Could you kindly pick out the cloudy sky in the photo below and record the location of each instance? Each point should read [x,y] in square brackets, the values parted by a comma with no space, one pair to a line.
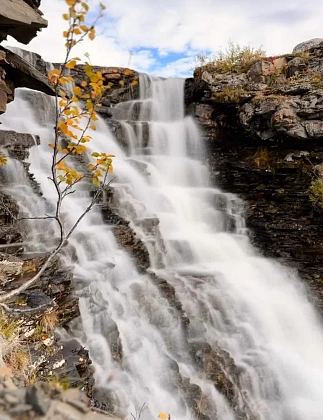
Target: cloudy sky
[163,37]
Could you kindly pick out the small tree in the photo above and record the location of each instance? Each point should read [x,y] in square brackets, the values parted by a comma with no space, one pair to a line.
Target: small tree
[72,123]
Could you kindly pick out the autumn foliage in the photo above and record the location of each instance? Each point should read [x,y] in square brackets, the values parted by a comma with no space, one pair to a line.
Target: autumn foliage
[75,116]
[76,109]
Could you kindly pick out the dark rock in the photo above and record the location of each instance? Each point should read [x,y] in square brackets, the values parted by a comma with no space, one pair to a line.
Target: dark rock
[195,91]
[18,144]
[295,66]
[9,234]
[37,298]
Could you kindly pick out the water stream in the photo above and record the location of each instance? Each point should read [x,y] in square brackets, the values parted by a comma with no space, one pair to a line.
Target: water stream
[251,307]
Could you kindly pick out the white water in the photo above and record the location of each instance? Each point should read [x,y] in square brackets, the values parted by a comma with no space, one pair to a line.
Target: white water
[250,306]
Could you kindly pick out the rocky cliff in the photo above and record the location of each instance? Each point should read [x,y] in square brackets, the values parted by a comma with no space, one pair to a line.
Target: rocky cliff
[264,132]
[22,20]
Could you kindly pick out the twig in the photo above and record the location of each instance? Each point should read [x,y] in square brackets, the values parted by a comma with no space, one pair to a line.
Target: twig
[28,311]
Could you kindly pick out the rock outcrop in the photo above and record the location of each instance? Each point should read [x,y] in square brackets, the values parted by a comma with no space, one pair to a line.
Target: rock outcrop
[122,85]
[17,72]
[20,19]
[264,132]
[277,98]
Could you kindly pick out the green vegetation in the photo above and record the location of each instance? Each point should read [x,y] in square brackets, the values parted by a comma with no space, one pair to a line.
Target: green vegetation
[316,192]
[9,327]
[230,94]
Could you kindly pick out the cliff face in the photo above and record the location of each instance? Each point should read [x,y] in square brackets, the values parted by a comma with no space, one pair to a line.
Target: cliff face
[263,129]
[21,20]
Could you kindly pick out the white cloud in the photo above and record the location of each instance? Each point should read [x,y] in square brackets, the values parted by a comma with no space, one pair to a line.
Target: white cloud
[183,27]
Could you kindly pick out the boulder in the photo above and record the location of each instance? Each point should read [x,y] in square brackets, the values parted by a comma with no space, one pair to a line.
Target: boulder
[307,45]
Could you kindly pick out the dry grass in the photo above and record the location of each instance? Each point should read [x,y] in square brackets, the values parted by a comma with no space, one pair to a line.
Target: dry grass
[17,359]
[9,327]
[233,59]
[230,95]
[49,321]
[29,266]
[262,158]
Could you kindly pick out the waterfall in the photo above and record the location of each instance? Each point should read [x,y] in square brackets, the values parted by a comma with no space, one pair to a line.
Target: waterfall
[252,309]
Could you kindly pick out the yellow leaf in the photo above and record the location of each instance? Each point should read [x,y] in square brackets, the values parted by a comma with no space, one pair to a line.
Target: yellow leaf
[134,82]
[110,168]
[65,16]
[84,28]
[84,83]
[85,6]
[52,145]
[54,72]
[93,127]
[121,82]
[71,64]
[62,93]
[92,34]
[77,91]
[61,165]
[128,72]
[65,34]
[163,415]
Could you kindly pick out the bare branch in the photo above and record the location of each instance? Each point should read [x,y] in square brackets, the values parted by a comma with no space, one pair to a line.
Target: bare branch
[28,311]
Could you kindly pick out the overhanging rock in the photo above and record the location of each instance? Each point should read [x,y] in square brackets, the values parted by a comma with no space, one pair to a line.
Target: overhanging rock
[20,20]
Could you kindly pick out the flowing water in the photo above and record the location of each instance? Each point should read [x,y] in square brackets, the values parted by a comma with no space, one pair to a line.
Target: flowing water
[251,307]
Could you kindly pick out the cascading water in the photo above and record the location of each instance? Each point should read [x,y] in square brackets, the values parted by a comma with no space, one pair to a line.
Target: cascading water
[253,308]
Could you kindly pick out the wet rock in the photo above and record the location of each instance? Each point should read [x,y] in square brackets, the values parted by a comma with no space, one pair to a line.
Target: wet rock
[18,144]
[195,91]
[9,234]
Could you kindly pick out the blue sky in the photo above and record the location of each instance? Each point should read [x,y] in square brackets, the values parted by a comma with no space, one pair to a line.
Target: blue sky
[165,36]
